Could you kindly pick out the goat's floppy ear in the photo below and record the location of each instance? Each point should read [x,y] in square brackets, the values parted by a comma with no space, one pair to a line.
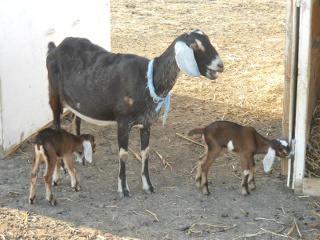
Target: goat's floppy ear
[87,151]
[269,159]
[185,59]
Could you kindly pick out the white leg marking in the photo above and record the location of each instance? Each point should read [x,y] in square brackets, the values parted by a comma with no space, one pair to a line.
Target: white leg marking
[246,172]
[230,146]
[144,155]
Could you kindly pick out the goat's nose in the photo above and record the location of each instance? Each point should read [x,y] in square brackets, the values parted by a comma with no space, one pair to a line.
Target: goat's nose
[220,65]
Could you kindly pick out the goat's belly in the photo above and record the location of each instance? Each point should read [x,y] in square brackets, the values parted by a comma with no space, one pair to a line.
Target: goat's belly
[91,120]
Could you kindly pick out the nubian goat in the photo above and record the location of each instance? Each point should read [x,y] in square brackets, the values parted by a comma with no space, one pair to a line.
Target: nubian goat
[245,142]
[51,146]
[102,87]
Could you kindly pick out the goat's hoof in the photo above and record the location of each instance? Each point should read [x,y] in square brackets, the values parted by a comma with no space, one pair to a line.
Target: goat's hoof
[76,188]
[252,187]
[149,190]
[56,183]
[52,202]
[32,200]
[244,192]
[125,193]
[205,191]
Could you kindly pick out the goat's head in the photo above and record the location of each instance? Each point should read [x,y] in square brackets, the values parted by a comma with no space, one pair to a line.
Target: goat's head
[88,146]
[196,56]
[281,147]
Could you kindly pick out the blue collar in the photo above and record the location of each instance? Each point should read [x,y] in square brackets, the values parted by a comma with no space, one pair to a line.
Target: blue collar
[156,98]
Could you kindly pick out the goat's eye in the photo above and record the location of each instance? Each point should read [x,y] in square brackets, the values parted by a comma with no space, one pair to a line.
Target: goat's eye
[194,46]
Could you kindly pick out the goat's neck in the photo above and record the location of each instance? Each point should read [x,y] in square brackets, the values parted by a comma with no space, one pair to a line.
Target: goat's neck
[263,144]
[78,144]
[165,72]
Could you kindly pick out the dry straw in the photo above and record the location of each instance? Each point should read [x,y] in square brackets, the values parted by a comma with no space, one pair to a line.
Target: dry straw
[313,147]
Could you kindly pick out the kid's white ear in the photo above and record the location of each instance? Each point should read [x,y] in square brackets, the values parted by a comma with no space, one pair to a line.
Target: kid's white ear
[185,59]
[87,151]
[269,159]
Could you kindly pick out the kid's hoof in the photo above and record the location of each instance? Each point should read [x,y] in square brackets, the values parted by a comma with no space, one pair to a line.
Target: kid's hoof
[52,202]
[32,200]
[56,183]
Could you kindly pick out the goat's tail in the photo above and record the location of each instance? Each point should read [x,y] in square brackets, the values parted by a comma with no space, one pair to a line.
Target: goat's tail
[196,131]
[51,47]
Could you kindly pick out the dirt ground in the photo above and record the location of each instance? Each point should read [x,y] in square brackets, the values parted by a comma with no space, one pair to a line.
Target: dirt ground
[250,38]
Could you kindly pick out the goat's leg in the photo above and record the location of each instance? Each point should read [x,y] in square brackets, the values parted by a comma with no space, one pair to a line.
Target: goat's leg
[146,183]
[55,104]
[50,166]
[123,139]
[34,176]
[56,179]
[251,183]
[76,124]
[72,171]
[202,159]
[244,175]
[205,165]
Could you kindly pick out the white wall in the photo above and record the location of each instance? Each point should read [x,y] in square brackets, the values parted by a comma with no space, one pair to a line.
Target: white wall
[26,27]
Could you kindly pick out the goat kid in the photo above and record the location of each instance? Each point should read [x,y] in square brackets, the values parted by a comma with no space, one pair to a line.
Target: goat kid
[245,142]
[51,146]
[102,87]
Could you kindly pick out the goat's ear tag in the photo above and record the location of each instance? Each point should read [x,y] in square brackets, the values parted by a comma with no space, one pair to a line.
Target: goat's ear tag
[87,151]
[185,59]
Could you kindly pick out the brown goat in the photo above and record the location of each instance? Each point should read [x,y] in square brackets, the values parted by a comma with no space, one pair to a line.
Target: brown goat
[51,146]
[245,142]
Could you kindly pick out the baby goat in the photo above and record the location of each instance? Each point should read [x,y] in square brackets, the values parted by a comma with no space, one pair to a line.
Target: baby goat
[245,142]
[52,145]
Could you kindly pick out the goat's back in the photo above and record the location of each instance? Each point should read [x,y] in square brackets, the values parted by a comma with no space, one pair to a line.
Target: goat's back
[222,132]
[97,83]
[57,139]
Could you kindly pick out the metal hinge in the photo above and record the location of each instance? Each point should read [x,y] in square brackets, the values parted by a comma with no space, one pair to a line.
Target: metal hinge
[293,146]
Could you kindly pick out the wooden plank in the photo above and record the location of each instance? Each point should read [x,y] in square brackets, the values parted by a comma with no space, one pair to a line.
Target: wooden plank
[290,81]
[303,86]
[311,186]
[287,82]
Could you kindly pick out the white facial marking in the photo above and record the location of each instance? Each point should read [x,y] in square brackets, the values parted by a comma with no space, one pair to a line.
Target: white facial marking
[246,172]
[230,146]
[200,45]
[269,159]
[283,142]
[199,32]
[215,64]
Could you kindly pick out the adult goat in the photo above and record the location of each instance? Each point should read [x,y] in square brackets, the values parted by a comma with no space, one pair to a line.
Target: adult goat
[99,86]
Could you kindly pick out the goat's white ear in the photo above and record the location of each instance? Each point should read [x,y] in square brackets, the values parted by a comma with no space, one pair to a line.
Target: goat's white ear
[269,159]
[87,151]
[185,59]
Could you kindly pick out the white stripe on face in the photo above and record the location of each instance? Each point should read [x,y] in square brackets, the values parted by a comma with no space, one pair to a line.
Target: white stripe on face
[214,65]
[283,142]
[200,45]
